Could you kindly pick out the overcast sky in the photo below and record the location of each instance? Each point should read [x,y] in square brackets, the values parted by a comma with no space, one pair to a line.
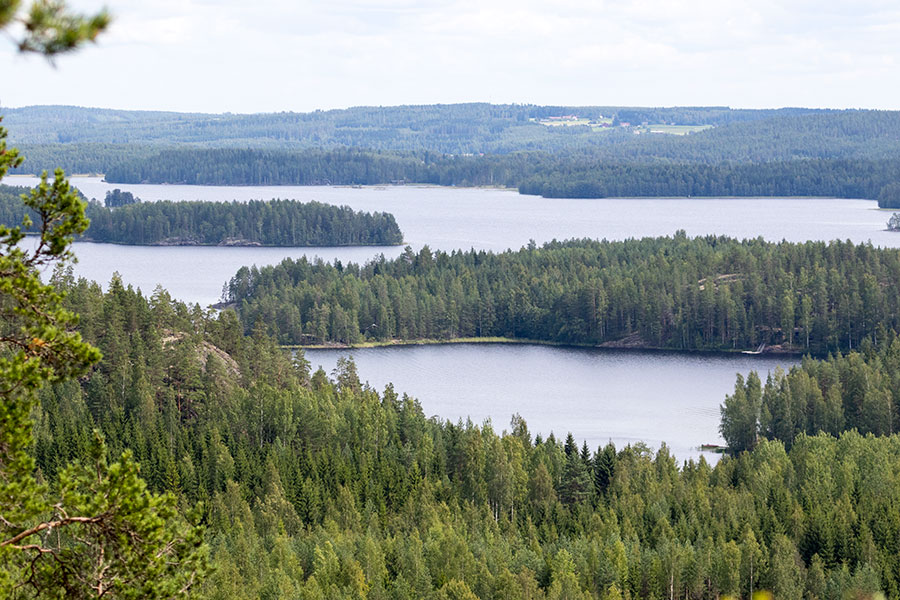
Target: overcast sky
[295,55]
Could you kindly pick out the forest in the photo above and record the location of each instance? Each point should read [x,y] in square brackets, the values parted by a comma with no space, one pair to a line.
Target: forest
[840,178]
[889,197]
[894,222]
[786,152]
[313,486]
[705,293]
[565,176]
[153,449]
[442,128]
[857,391]
[569,176]
[257,223]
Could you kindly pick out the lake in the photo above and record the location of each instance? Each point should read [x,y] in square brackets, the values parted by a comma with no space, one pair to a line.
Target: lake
[599,395]
[464,218]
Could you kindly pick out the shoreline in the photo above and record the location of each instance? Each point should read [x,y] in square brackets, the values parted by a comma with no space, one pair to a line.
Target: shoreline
[375,186]
[612,346]
[86,240]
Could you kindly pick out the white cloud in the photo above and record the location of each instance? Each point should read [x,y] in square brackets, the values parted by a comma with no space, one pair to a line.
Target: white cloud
[225,55]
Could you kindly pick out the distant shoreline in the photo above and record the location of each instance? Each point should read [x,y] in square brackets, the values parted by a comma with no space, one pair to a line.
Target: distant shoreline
[375,186]
[529,342]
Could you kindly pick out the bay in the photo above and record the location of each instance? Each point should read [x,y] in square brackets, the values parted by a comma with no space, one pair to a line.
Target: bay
[463,218]
[598,395]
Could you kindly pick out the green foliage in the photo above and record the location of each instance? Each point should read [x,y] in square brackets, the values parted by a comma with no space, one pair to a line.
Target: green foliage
[319,488]
[675,292]
[789,152]
[117,198]
[448,129]
[894,222]
[889,196]
[94,531]
[740,414]
[471,129]
[107,536]
[858,391]
[816,177]
[50,28]
[273,223]
[554,176]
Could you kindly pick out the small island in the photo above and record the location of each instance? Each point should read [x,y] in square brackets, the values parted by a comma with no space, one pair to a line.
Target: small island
[894,222]
[706,294]
[123,219]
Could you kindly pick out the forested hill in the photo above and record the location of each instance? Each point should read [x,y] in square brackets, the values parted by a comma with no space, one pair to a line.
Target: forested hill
[584,152]
[706,135]
[859,391]
[256,223]
[445,128]
[552,151]
[708,293]
[531,173]
[318,487]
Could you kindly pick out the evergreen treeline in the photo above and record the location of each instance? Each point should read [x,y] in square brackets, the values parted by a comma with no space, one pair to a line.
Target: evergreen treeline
[860,390]
[791,152]
[841,178]
[117,198]
[889,197]
[264,223]
[566,176]
[82,158]
[711,293]
[738,135]
[229,166]
[322,488]
[261,223]
[894,222]
[443,128]
[11,207]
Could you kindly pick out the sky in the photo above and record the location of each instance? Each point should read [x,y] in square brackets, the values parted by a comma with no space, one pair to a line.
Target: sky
[298,55]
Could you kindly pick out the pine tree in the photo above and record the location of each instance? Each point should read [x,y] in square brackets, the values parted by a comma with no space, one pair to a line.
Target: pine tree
[111,538]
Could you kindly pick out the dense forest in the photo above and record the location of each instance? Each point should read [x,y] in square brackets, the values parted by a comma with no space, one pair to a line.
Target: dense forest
[859,391]
[610,151]
[262,223]
[567,176]
[318,487]
[532,173]
[258,223]
[894,222]
[707,293]
[889,197]
[152,449]
[839,178]
[442,128]
[271,167]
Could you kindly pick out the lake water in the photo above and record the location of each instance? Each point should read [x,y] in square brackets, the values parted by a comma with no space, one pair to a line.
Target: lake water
[463,218]
[598,395]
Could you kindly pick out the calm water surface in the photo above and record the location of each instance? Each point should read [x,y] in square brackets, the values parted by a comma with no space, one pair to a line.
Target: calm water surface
[598,395]
[463,218]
